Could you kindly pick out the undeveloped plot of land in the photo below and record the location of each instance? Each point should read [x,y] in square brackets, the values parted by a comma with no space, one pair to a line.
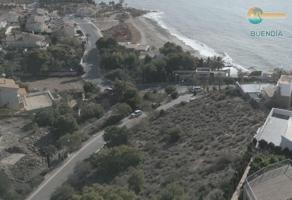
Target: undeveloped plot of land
[214,133]
[19,155]
[57,84]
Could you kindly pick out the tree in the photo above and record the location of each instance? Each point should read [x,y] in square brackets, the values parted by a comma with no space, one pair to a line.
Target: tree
[105,43]
[91,110]
[89,87]
[170,48]
[174,134]
[122,109]
[115,136]
[45,117]
[117,74]
[66,124]
[136,181]
[71,141]
[126,92]
[173,191]
[36,62]
[112,161]
[63,193]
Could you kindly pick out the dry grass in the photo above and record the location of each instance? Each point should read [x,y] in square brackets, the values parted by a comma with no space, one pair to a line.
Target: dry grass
[215,132]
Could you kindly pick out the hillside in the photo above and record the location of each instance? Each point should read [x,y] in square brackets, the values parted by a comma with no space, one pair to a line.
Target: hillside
[214,133]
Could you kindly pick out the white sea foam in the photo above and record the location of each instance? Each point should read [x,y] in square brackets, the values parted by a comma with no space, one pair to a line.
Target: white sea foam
[202,48]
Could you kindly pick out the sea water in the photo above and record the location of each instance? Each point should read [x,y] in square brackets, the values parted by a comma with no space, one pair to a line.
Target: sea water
[222,28]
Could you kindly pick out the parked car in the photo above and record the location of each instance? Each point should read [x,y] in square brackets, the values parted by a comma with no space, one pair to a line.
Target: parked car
[195,90]
[136,113]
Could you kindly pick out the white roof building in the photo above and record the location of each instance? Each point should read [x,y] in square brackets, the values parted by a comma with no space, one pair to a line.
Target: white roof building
[14,97]
[277,129]
[285,85]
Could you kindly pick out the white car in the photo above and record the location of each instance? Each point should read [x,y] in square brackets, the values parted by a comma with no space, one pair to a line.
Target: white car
[136,113]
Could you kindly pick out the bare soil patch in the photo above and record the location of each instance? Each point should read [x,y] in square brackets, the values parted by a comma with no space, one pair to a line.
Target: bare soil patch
[57,84]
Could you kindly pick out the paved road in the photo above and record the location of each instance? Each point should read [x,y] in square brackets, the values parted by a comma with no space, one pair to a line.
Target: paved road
[61,174]
[90,60]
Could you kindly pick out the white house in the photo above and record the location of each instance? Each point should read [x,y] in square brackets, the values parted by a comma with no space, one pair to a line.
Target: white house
[11,95]
[283,92]
[277,129]
[14,97]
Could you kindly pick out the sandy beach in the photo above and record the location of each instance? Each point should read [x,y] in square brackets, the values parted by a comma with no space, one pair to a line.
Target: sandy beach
[154,35]
[147,32]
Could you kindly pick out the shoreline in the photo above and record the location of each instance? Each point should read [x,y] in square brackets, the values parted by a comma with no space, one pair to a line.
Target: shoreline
[153,34]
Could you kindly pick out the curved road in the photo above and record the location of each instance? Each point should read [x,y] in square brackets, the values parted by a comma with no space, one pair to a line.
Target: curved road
[56,178]
[90,60]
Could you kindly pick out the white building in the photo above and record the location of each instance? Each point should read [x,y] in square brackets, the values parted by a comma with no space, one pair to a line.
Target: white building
[277,129]
[283,92]
[11,95]
[14,97]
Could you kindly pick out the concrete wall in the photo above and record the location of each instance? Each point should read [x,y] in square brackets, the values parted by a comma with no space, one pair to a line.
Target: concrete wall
[282,101]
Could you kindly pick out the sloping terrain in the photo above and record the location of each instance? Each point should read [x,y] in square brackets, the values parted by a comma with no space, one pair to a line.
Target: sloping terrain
[212,135]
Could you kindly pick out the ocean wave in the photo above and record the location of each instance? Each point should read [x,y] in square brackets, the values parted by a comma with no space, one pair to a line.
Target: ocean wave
[203,49]
[228,61]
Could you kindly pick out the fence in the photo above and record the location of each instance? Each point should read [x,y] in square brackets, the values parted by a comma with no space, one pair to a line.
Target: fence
[265,174]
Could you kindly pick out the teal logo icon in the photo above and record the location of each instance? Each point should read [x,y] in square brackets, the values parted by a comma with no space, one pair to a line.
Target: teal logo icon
[255,15]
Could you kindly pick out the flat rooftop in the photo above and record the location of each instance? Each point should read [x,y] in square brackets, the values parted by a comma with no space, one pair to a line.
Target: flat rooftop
[285,79]
[277,128]
[273,185]
[254,87]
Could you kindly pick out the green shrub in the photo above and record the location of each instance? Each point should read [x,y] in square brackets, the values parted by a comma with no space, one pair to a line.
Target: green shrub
[115,136]
[89,87]
[66,124]
[63,193]
[174,134]
[170,90]
[98,192]
[173,191]
[136,181]
[122,109]
[45,117]
[91,110]
[71,141]
[174,95]
[110,162]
